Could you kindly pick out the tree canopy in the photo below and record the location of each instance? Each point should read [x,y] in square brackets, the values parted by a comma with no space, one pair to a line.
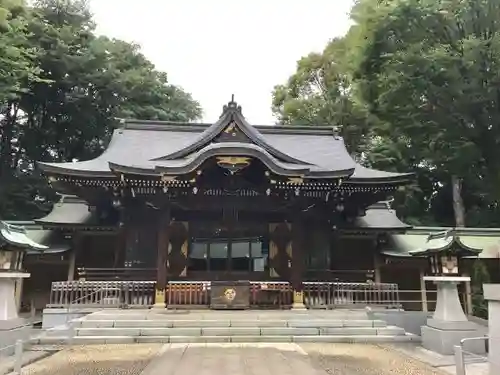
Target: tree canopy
[62,87]
[426,76]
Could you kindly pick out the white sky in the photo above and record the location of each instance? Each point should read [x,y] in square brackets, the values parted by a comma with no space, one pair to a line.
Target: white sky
[215,48]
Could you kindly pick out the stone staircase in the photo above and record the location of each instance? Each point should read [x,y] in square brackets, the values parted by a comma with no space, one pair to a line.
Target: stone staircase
[129,326]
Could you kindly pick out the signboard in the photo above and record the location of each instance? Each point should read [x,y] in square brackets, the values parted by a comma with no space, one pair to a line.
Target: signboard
[230,295]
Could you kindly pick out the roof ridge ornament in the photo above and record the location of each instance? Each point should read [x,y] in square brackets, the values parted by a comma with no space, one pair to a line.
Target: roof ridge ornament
[232,106]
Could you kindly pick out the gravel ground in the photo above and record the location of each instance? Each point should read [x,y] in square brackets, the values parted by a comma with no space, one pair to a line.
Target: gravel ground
[230,359]
[359,359]
[96,360]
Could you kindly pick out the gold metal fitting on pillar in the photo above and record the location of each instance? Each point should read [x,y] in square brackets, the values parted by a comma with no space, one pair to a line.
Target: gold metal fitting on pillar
[160,297]
[298,297]
[298,301]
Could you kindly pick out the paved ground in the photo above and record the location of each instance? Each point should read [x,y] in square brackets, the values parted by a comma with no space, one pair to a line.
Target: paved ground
[230,359]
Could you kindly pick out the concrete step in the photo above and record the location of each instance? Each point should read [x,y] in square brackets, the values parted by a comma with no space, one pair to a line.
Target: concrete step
[110,314]
[81,340]
[190,323]
[241,331]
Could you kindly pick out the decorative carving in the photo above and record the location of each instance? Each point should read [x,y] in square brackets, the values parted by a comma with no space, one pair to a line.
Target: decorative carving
[280,249]
[233,163]
[231,129]
[295,180]
[230,294]
[166,178]
[177,255]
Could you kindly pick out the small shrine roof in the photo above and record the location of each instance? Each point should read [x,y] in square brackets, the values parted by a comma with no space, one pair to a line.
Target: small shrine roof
[32,238]
[484,242]
[446,241]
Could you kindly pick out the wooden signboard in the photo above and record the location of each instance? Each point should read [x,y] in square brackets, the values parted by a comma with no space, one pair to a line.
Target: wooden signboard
[230,295]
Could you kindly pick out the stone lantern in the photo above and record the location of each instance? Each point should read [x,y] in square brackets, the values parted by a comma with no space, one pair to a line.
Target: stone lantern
[449,324]
[444,252]
[13,244]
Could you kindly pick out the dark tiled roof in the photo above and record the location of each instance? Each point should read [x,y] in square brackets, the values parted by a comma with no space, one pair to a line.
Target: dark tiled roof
[69,210]
[147,146]
[380,216]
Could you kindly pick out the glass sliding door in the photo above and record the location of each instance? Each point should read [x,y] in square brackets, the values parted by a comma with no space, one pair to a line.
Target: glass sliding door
[240,255]
[218,255]
[217,251]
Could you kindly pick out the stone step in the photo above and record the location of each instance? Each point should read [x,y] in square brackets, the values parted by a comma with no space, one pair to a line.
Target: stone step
[227,315]
[241,331]
[190,323]
[81,340]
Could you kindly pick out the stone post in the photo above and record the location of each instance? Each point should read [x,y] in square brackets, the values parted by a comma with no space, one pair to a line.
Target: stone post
[449,323]
[492,294]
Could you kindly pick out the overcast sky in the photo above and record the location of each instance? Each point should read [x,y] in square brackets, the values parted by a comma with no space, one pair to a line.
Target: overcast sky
[215,48]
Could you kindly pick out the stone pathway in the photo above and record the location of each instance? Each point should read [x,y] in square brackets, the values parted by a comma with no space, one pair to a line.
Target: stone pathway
[230,359]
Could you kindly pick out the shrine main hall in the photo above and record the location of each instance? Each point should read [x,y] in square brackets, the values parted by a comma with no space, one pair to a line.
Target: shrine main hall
[185,208]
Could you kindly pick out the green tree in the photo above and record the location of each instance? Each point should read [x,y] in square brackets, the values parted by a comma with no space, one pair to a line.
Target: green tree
[429,71]
[480,276]
[319,94]
[83,83]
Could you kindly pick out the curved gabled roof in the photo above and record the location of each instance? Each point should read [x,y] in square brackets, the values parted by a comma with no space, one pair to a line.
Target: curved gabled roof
[193,161]
[148,147]
[445,241]
[231,114]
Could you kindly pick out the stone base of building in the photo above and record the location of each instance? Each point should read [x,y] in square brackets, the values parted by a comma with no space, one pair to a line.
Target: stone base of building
[299,306]
[159,307]
[441,337]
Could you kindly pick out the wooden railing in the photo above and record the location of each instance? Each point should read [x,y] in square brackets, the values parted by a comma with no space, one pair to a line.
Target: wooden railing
[117,274]
[196,294]
[121,294]
[339,294]
[263,294]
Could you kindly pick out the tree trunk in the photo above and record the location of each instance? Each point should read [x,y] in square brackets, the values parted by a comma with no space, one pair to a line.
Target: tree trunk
[458,203]
[6,135]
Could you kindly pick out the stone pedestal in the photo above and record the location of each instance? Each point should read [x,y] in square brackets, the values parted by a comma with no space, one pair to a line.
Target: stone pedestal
[449,324]
[492,294]
[8,308]
[12,327]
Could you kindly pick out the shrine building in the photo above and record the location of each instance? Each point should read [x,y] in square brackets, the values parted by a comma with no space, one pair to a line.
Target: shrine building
[182,207]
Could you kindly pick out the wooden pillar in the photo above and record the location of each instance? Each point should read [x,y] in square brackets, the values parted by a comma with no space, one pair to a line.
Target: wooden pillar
[377,266]
[423,292]
[18,286]
[297,271]
[77,241]
[162,254]
[121,238]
